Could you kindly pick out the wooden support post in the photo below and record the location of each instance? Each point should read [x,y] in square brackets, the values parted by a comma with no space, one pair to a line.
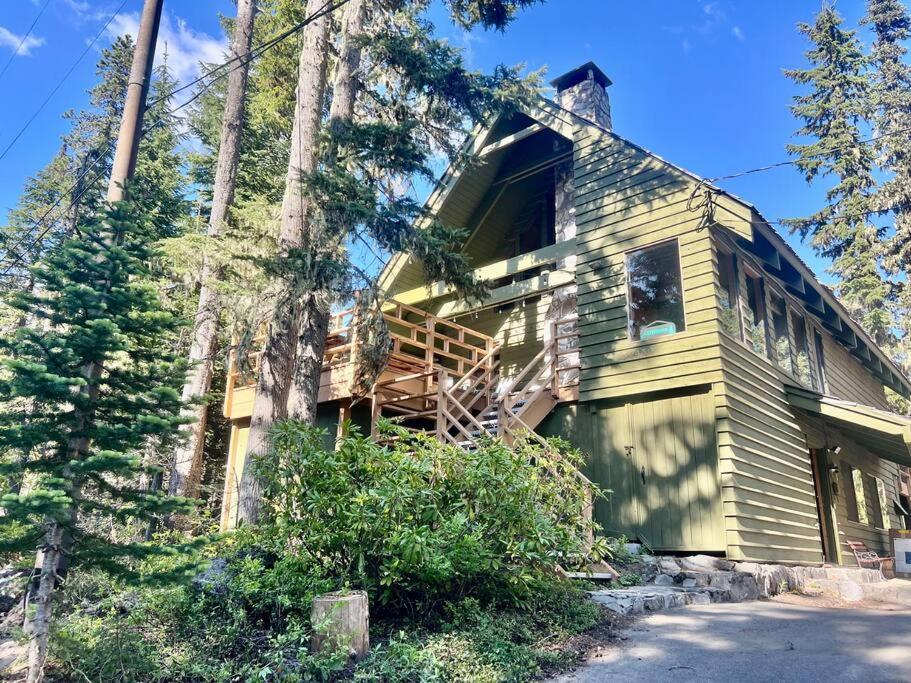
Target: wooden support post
[441,405]
[341,621]
[344,414]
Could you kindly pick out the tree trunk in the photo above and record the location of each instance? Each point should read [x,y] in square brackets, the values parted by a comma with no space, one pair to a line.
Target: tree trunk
[277,360]
[186,467]
[314,325]
[39,625]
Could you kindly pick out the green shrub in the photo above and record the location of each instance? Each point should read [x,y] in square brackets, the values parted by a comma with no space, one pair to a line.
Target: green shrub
[421,519]
[457,550]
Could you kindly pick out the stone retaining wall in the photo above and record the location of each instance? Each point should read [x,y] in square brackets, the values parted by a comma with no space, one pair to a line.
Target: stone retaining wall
[701,579]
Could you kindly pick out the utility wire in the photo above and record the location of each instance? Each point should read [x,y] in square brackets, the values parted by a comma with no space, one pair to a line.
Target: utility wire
[60,83]
[243,60]
[791,162]
[24,38]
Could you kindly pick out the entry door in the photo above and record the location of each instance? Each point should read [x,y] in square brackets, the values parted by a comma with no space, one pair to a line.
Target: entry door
[658,455]
[825,505]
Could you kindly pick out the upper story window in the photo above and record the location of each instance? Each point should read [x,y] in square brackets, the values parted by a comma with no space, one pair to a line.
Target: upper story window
[801,355]
[755,331]
[780,347]
[820,361]
[727,279]
[655,291]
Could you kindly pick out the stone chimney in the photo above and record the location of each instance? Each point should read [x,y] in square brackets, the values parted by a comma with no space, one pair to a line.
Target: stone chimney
[583,91]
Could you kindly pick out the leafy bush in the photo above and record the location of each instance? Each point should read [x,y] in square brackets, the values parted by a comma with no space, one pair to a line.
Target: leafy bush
[457,550]
[422,519]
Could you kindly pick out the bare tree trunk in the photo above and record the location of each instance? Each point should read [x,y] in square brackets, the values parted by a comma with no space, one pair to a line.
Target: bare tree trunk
[186,468]
[39,625]
[314,326]
[277,360]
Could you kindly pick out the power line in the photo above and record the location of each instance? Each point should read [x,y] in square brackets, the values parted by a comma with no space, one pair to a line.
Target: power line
[758,169]
[327,8]
[60,82]
[791,162]
[24,38]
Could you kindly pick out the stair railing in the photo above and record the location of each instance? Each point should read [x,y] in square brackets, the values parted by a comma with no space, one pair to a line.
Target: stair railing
[540,375]
[458,401]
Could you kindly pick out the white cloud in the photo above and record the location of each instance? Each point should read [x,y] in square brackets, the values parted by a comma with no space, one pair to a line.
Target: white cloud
[185,48]
[737,32]
[23,48]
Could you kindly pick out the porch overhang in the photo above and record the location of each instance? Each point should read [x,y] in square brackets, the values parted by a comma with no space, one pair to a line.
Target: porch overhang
[886,434]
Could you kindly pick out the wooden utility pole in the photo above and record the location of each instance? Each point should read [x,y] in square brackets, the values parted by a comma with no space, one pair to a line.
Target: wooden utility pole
[135,103]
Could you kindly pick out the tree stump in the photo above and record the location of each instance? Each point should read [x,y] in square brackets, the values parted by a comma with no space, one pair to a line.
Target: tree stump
[341,622]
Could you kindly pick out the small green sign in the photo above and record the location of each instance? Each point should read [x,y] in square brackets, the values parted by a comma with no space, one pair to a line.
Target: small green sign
[659,328]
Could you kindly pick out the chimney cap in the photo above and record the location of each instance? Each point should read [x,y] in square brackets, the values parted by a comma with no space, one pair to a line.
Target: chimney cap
[579,74]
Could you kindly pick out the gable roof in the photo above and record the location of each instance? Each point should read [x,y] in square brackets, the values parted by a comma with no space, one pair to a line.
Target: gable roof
[753,230]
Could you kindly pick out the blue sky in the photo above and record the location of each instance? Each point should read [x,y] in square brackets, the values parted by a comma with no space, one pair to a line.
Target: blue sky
[699,82]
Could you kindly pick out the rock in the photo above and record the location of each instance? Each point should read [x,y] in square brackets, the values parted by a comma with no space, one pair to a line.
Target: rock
[633,548]
[664,580]
[648,572]
[698,578]
[689,583]
[667,565]
[704,563]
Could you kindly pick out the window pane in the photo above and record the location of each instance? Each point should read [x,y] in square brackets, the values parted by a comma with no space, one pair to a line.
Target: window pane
[820,361]
[847,484]
[655,291]
[727,278]
[860,498]
[801,351]
[885,522]
[756,301]
[781,341]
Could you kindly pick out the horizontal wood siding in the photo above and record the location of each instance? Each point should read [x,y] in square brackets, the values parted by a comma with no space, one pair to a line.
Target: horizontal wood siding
[859,457]
[518,327]
[767,484]
[624,200]
[848,378]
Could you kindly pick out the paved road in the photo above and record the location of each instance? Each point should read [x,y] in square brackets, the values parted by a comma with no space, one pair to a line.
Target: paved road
[758,641]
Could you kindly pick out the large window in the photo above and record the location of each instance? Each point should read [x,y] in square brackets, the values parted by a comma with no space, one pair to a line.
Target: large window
[727,279]
[858,512]
[780,350]
[801,350]
[655,291]
[820,361]
[755,331]
[881,506]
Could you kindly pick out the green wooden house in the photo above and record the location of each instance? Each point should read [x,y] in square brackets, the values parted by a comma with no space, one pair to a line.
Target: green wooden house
[720,391]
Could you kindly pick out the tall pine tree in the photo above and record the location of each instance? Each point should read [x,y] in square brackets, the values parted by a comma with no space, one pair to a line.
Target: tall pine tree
[415,96]
[890,111]
[832,112]
[74,437]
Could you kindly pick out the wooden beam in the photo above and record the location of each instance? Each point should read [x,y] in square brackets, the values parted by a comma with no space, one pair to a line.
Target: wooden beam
[494,271]
[519,290]
[511,139]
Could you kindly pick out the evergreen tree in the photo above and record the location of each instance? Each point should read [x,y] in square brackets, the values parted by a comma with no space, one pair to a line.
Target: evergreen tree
[72,435]
[832,113]
[188,457]
[416,95]
[890,106]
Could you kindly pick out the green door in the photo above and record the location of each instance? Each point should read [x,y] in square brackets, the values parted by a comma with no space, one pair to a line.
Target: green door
[658,456]
[613,467]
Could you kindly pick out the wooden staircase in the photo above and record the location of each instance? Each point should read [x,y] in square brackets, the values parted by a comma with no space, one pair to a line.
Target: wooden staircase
[464,408]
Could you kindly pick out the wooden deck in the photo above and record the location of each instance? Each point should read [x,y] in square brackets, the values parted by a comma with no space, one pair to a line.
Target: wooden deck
[420,342]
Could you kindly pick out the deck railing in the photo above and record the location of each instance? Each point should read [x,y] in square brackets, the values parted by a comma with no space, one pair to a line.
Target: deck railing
[419,341]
